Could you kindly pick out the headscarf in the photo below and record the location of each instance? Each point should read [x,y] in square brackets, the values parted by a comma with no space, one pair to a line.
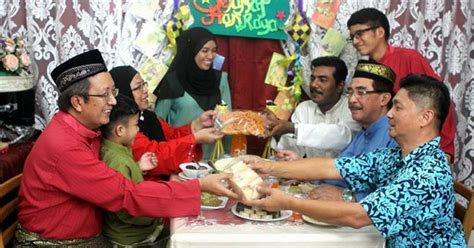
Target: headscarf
[203,86]
[149,124]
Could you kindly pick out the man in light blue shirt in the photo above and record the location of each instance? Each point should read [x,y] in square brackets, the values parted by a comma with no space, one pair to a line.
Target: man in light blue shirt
[370,95]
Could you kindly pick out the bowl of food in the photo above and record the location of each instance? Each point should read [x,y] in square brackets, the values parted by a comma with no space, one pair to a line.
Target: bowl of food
[195,170]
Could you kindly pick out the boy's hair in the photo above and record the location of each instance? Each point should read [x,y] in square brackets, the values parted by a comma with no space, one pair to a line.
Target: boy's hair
[372,17]
[340,72]
[428,92]
[122,111]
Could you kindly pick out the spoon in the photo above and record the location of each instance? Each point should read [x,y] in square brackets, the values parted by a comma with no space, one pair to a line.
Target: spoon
[210,163]
[200,167]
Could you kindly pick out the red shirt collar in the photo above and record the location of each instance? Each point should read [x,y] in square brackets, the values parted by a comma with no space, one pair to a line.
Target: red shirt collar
[77,126]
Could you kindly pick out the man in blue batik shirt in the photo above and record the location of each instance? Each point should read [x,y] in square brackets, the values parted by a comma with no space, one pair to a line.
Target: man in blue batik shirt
[412,203]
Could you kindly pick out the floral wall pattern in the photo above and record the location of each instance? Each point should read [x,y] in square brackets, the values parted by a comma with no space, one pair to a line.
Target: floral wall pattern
[58,29]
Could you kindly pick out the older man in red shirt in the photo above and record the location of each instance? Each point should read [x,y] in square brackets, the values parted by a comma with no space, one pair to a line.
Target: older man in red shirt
[369,32]
[66,187]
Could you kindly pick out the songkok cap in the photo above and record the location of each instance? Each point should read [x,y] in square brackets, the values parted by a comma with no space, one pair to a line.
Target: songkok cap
[375,71]
[77,68]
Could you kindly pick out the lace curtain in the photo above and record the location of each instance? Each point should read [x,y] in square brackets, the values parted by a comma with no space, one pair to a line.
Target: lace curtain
[58,29]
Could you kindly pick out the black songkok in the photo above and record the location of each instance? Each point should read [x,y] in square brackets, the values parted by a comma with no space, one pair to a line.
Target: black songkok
[77,68]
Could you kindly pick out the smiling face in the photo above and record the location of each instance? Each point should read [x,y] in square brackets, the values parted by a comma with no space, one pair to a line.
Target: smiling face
[140,92]
[323,87]
[96,112]
[130,130]
[206,55]
[365,40]
[366,109]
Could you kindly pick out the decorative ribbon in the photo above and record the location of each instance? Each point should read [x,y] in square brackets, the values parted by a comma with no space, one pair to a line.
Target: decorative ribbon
[176,25]
[300,6]
[175,6]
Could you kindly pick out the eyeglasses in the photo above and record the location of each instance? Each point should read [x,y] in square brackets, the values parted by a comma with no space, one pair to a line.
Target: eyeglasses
[107,95]
[360,92]
[141,86]
[357,34]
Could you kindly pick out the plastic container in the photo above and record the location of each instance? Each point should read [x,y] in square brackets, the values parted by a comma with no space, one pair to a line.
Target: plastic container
[239,145]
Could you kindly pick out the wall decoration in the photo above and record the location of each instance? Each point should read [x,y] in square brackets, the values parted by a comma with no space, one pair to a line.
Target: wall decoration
[250,18]
[149,38]
[176,25]
[326,12]
[332,43]
[300,31]
[144,8]
[152,71]
[277,72]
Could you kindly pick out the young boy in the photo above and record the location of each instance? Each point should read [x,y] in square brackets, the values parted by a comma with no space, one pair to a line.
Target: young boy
[121,228]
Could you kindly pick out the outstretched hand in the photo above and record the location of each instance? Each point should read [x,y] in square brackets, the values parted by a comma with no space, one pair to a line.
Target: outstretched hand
[213,184]
[275,126]
[287,155]
[207,135]
[261,167]
[273,200]
[205,120]
[148,161]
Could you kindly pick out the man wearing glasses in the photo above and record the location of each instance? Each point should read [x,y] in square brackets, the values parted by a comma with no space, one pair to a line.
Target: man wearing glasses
[412,203]
[65,187]
[369,33]
[369,95]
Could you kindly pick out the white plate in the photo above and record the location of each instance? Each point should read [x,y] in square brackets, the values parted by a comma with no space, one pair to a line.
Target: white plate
[222,205]
[285,214]
[319,223]
[184,177]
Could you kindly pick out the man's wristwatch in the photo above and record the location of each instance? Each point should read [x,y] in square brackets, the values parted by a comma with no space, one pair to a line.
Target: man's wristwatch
[347,195]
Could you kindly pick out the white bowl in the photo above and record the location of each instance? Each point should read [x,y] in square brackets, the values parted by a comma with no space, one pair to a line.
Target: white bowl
[191,169]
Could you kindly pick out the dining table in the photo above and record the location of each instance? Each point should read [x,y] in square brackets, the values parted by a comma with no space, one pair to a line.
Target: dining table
[222,228]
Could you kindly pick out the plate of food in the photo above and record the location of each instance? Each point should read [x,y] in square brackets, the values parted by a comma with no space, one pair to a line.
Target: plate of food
[258,214]
[316,222]
[211,201]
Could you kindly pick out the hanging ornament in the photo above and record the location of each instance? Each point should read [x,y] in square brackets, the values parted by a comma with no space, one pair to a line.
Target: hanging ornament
[300,30]
[176,25]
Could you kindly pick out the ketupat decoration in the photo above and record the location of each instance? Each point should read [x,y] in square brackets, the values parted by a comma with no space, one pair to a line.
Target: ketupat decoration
[176,25]
[300,30]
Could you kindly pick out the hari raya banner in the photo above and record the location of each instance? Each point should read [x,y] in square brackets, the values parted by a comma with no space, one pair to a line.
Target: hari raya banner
[247,18]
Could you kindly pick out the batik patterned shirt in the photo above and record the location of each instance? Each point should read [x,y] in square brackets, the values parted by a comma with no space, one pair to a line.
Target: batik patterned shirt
[413,200]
